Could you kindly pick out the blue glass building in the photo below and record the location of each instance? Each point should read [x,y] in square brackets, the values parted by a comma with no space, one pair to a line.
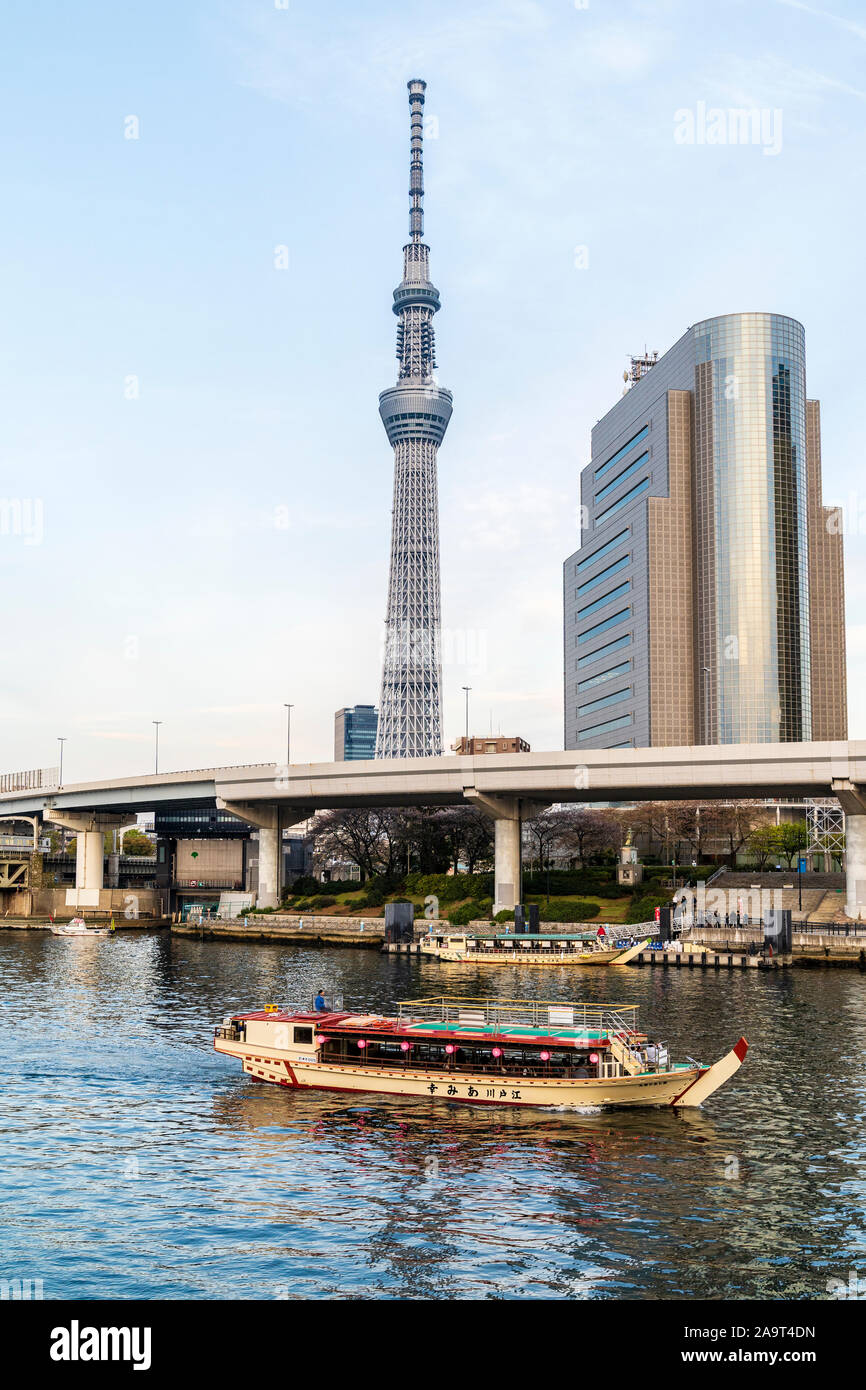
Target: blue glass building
[355,733]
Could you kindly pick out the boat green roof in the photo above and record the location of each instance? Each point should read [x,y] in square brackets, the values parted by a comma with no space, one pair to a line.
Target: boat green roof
[523,937]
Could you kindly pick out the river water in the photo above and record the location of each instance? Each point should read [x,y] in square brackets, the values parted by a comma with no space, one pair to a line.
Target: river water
[137,1163]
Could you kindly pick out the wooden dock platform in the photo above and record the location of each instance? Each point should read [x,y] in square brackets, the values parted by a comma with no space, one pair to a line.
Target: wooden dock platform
[711,960]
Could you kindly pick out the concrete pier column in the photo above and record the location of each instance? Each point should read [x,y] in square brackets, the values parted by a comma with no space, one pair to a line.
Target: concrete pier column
[852,799]
[855,866]
[509,813]
[270,821]
[90,828]
[269,867]
[506,876]
[89,854]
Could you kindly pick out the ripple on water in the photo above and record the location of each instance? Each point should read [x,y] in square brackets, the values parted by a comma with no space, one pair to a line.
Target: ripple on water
[137,1163]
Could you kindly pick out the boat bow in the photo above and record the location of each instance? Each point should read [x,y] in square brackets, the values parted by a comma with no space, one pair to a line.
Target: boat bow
[713,1077]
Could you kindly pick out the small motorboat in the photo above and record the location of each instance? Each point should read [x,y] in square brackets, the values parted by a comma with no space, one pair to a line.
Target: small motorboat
[77,927]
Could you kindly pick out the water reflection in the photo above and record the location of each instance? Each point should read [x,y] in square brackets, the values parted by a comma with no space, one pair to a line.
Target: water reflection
[137,1163]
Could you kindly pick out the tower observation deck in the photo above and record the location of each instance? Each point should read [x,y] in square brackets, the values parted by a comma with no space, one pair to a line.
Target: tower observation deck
[415,414]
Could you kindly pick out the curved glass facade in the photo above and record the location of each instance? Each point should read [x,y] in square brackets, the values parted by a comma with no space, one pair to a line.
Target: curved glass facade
[751,540]
[704,495]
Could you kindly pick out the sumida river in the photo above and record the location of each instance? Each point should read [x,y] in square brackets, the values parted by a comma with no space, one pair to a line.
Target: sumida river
[137,1163]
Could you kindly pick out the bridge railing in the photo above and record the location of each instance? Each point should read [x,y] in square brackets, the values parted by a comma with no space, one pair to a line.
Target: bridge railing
[35,779]
[520,1013]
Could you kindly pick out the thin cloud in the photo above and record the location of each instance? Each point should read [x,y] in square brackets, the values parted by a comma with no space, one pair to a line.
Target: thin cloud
[849,25]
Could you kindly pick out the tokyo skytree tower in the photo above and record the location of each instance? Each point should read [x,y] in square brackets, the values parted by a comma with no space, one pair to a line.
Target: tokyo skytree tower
[415,414]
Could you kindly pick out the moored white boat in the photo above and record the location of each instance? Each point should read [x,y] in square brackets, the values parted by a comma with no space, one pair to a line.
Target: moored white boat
[478,1051]
[561,948]
[77,927]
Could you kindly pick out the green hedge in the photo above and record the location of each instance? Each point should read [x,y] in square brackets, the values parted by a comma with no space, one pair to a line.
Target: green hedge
[567,910]
[588,881]
[643,906]
[558,910]
[310,887]
[652,873]
[449,888]
[462,916]
[374,896]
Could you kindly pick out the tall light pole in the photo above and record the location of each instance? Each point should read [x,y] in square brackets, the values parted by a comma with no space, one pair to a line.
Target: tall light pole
[156,723]
[288,709]
[61,741]
[466,689]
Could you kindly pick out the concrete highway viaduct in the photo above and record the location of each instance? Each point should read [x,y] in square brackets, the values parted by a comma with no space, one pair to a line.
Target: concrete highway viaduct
[506,786]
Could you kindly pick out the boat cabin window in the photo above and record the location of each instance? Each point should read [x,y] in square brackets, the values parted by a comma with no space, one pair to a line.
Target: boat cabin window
[466,1056]
[303,1035]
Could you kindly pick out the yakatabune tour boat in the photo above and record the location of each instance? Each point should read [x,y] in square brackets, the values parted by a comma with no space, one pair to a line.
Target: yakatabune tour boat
[481,1051]
[527,948]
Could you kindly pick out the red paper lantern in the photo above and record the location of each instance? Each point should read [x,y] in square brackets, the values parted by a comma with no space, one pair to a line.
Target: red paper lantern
[361,1042]
[593,1056]
[318,1040]
[545,1056]
[404,1047]
[497,1052]
[449,1048]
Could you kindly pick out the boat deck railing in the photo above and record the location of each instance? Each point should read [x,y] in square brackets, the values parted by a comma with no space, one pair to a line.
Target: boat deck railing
[525,1013]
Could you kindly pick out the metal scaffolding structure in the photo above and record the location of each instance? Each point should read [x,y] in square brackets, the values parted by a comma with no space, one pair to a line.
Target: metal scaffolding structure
[826,821]
[415,414]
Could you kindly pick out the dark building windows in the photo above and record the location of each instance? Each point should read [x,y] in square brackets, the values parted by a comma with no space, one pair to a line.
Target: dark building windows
[355,733]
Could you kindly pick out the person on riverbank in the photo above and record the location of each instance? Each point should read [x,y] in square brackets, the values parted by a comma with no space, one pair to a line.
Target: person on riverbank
[319,1003]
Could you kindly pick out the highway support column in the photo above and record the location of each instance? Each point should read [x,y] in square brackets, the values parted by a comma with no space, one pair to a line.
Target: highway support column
[853,802]
[270,820]
[90,828]
[509,813]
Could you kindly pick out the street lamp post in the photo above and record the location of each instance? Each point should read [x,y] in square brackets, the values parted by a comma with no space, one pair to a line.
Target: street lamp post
[61,741]
[288,709]
[466,690]
[156,723]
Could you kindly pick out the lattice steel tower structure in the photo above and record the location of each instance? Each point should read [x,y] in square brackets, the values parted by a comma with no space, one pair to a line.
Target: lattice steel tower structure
[415,414]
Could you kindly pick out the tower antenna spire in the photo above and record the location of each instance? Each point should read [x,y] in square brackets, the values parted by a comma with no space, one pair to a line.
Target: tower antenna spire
[417,89]
[415,414]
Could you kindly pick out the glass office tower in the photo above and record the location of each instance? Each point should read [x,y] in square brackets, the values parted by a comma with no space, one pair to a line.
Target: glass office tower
[355,733]
[752,549]
[706,602]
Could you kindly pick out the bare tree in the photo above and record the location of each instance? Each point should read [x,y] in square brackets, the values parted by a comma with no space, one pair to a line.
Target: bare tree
[420,836]
[361,836]
[651,820]
[543,832]
[733,822]
[469,833]
[589,833]
[386,841]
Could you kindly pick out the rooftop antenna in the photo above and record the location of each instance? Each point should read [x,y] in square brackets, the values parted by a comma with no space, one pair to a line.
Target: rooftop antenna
[638,367]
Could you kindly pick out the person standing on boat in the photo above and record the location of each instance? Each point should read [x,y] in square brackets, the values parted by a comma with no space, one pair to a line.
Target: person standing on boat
[319,1003]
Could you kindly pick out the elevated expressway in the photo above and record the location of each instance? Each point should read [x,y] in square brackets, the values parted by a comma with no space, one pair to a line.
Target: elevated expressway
[507,786]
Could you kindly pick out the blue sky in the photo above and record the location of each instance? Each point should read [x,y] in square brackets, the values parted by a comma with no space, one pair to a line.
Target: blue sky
[218,544]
